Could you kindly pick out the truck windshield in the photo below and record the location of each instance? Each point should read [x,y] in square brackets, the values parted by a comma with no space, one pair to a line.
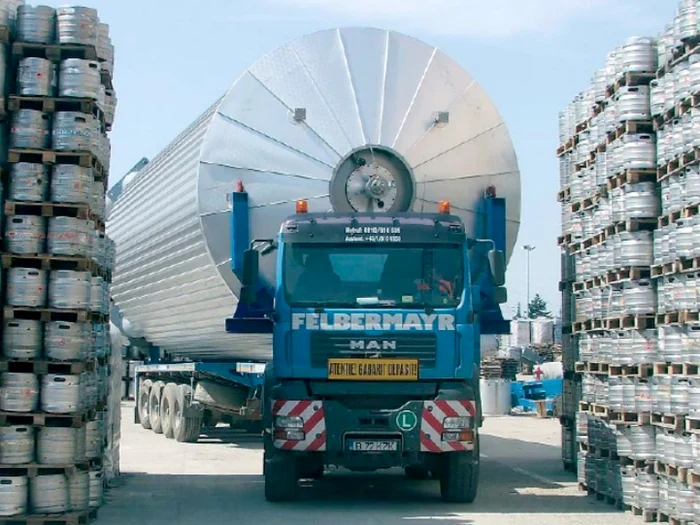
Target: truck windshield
[373,274]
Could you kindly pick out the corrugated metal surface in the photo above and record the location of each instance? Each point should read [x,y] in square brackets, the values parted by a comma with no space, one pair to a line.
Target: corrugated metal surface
[164,281]
[363,89]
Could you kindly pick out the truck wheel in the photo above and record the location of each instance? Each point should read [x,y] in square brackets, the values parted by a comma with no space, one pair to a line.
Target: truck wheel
[417,472]
[154,406]
[460,477]
[167,402]
[144,394]
[281,479]
[185,428]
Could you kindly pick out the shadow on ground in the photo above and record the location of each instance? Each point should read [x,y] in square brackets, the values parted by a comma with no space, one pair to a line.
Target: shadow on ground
[540,486]
[223,435]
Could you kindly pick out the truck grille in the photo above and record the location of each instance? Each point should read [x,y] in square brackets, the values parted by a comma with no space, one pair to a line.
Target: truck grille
[325,345]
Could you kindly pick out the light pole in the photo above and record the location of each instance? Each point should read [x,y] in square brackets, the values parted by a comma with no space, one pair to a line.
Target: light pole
[528,248]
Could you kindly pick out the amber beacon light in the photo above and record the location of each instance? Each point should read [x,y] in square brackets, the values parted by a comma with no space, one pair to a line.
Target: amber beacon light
[302,206]
[444,207]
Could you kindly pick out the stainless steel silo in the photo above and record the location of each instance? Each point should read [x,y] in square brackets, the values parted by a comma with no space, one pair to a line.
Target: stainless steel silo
[290,128]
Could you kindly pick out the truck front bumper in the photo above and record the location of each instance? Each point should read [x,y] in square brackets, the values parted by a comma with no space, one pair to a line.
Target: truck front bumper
[418,428]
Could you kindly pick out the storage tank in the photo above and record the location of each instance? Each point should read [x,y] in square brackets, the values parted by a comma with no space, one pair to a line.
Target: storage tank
[350,119]
[520,332]
[542,331]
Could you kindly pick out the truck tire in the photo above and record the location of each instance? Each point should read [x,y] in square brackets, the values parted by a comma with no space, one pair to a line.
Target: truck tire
[417,472]
[281,478]
[154,406]
[167,402]
[142,403]
[459,479]
[185,428]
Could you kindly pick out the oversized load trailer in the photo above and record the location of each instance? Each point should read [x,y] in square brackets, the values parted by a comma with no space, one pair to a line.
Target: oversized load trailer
[342,147]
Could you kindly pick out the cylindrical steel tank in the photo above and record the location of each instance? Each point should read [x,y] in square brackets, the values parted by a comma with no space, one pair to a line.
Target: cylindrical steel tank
[495,397]
[288,129]
[36,24]
[35,76]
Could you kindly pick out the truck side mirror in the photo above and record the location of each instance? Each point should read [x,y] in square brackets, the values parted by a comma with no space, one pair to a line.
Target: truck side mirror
[497,262]
[249,277]
[500,295]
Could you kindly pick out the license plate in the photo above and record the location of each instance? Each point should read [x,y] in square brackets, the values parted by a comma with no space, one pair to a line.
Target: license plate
[373,369]
[366,445]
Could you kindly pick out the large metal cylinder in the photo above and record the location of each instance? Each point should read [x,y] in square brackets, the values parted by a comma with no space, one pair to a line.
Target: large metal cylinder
[293,127]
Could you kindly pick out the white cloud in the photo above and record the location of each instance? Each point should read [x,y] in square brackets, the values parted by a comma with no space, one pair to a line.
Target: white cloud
[479,18]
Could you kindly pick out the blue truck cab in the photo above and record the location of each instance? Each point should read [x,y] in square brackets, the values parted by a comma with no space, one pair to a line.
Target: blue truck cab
[376,323]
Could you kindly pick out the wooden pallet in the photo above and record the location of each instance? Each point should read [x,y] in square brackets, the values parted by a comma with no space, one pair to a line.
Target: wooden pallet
[54,262]
[663,270]
[600,496]
[685,265]
[85,159]
[564,195]
[53,104]
[33,470]
[53,52]
[588,326]
[629,418]
[689,47]
[647,515]
[691,369]
[692,424]
[564,240]
[43,367]
[43,419]
[630,79]
[639,370]
[677,165]
[671,471]
[48,209]
[669,421]
[631,127]
[47,315]
[632,225]
[602,411]
[666,369]
[680,109]
[629,273]
[568,146]
[636,322]
[641,464]
[694,479]
[668,318]
[668,518]
[631,177]
[71,518]
[678,317]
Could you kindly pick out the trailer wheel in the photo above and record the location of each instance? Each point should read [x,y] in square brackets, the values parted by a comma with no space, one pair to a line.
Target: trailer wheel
[185,428]
[167,402]
[154,399]
[281,478]
[459,479]
[142,403]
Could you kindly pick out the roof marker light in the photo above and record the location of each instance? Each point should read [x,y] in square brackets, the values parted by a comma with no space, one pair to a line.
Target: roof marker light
[302,206]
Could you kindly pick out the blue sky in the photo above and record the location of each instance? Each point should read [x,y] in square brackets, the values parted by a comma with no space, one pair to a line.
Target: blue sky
[174,58]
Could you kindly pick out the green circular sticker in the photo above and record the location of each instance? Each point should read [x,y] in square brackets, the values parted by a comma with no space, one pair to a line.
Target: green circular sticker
[406,420]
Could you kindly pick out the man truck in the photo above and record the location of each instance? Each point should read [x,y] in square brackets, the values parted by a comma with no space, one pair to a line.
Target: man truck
[338,295]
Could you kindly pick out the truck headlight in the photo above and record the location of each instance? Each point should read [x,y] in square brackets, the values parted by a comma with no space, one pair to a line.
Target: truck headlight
[456,423]
[289,422]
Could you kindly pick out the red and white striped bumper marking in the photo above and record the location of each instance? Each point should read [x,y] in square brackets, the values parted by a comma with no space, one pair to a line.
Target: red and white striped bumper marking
[431,425]
[314,429]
